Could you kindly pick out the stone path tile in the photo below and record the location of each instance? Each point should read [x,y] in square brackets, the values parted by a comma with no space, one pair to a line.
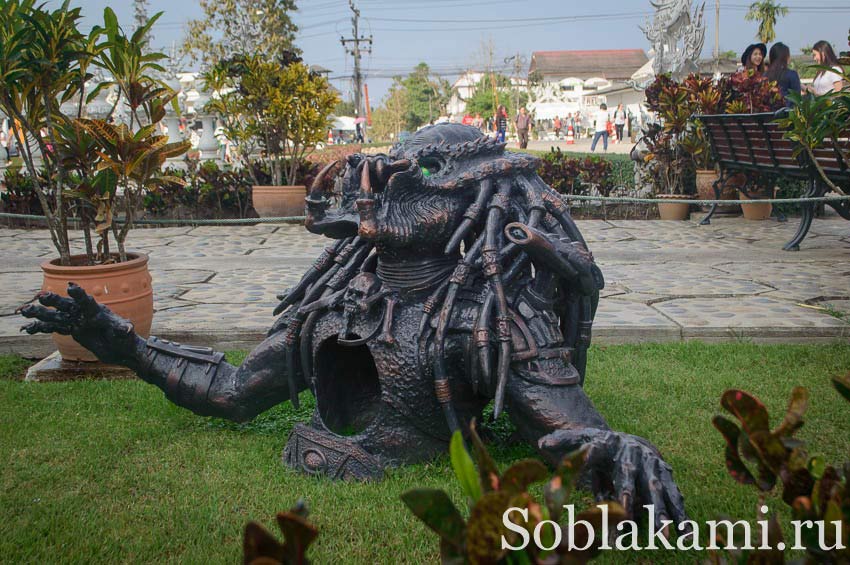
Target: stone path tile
[747,313]
[204,318]
[680,279]
[834,228]
[606,235]
[243,287]
[238,231]
[621,313]
[19,288]
[218,247]
[796,281]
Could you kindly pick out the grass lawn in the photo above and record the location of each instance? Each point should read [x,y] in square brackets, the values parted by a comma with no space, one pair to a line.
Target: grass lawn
[112,472]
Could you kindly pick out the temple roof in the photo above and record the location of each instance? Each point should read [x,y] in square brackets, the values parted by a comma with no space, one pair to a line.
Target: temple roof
[611,64]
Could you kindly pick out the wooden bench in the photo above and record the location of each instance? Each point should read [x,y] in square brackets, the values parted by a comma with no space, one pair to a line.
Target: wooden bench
[755,145]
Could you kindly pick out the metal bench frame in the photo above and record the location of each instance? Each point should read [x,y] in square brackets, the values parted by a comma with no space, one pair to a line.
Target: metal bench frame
[753,144]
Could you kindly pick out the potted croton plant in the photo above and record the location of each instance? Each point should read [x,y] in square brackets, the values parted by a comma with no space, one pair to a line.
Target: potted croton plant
[705,96]
[667,159]
[281,107]
[81,164]
[751,93]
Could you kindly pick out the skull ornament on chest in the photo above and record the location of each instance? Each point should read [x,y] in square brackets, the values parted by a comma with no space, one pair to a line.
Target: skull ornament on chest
[357,299]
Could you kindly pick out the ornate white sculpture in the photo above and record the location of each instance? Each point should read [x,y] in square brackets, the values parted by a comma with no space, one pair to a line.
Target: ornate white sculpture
[676,36]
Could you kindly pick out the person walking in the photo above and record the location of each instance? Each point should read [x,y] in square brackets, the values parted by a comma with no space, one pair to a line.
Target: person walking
[575,121]
[826,81]
[523,125]
[501,123]
[620,122]
[602,119]
[778,71]
[556,124]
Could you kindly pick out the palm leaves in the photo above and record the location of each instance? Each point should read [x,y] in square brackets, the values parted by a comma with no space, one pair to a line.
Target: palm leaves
[766,12]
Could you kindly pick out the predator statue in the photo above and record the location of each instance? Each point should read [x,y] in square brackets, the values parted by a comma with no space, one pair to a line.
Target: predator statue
[456,277]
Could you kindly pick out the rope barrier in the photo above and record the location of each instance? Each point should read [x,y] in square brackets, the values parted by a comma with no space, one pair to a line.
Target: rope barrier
[210,222]
[575,197]
[703,202]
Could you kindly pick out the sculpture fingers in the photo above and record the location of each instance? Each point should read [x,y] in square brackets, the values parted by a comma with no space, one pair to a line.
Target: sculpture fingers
[87,304]
[46,328]
[53,300]
[627,463]
[46,315]
[673,496]
[652,488]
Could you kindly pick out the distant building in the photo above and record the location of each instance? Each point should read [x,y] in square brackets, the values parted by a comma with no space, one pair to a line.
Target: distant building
[570,81]
[462,90]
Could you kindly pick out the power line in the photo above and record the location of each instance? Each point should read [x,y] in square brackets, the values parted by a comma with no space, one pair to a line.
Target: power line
[356,52]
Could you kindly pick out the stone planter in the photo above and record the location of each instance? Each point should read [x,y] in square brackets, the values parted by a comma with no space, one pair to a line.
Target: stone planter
[279,201]
[123,287]
[757,210]
[673,210]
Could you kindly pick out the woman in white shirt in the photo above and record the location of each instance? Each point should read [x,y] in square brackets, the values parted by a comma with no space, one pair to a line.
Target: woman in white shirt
[826,81]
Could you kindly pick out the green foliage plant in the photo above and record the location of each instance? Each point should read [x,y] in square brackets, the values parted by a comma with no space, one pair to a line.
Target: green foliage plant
[240,26]
[768,459]
[669,100]
[486,98]
[281,105]
[45,64]
[489,494]
[40,68]
[817,122]
[576,175]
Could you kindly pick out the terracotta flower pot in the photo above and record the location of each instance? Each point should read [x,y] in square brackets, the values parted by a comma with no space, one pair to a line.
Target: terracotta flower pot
[673,210]
[279,201]
[757,210]
[705,184]
[124,287]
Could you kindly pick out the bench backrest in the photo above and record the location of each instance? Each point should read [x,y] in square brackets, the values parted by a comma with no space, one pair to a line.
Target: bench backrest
[755,142]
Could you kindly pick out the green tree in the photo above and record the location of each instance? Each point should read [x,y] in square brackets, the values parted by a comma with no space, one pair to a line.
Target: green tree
[766,12]
[344,108]
[230,27]
[280,104]
[484,100]
[390,118]
[426,96]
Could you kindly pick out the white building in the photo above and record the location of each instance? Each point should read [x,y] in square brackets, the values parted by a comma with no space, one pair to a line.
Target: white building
[571,81]
[462,90]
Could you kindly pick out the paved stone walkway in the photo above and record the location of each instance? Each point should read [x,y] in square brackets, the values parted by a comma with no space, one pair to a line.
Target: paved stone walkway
[666,281]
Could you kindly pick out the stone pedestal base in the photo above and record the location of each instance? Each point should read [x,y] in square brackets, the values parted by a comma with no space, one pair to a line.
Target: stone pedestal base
[54,368]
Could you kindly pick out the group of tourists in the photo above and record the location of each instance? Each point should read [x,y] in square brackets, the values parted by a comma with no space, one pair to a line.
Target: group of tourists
[774,65]
[498,124]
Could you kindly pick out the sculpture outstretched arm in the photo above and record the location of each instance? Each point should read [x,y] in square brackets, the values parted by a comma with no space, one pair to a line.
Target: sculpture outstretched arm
[196,378]
[560,419]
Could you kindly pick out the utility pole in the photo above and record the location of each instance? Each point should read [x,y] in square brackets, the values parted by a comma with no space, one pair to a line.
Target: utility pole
[717,38]
[356,51]
[519,62]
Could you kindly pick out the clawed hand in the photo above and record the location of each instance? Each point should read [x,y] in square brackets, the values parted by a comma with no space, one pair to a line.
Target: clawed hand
[94,326]
[624,468]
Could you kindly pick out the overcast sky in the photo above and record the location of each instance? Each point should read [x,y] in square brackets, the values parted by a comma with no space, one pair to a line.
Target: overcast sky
[448,34]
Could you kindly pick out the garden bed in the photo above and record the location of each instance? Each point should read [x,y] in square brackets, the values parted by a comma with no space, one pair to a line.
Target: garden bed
[111,471]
